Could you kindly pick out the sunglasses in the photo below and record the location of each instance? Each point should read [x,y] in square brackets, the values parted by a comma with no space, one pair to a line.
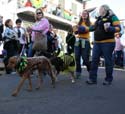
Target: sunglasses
[39,13]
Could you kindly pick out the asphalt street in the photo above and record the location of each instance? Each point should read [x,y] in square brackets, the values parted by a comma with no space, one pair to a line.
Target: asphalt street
[66,98]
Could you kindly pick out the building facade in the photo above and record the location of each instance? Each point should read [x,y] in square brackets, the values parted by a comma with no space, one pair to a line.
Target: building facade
[61,13]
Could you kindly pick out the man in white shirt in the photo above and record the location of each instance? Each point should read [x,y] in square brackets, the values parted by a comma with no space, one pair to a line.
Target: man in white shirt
[21,32]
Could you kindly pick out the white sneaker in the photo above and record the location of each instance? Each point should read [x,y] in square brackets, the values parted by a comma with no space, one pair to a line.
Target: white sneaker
[73,81]
[13,72]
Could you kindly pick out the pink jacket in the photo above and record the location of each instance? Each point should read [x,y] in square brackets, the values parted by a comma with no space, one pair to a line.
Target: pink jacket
[42,25]
[118,45]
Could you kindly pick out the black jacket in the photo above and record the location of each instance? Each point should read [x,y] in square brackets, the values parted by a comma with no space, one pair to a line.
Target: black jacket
[99,33]
[1,31]
[70,40]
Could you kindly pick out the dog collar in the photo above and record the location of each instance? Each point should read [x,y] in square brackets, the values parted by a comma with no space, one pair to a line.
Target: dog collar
[21,64]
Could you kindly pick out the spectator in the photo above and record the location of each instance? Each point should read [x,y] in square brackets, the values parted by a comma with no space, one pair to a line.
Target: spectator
[39,29]
[58,40]
[104,43]
[10,43]
[22,36]
[1,27]
[118,52]
[82,44]
[28,4]
[50,38]
[44,8]
[122,40]
[70,12]
[58,11]
[70,41]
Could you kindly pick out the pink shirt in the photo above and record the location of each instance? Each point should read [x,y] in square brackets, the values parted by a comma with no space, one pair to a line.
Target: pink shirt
[42,25]
[118,45]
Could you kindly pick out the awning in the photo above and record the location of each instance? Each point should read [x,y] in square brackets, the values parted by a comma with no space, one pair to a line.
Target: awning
[27,14]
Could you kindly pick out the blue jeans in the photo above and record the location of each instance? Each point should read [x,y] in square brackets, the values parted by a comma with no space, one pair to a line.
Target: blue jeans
[118,56]
[84,53]
[123,57]
[30,51]
[105,49]
[22,50]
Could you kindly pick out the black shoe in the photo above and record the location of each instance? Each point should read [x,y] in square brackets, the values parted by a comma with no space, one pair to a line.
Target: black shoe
[90,82]
[8,72]
[106,83]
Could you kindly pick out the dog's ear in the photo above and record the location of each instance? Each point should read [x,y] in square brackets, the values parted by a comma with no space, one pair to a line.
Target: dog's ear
[13,58]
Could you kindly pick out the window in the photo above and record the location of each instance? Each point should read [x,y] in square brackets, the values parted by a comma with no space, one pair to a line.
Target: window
[74,8]
[62,2]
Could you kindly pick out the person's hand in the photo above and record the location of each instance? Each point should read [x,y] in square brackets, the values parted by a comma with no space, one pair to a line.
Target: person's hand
[75,28]
[108,27]
[111,29]
[81,29]
[29,29]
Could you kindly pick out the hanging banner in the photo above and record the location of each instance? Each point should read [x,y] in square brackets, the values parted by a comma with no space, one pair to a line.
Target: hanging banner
[37,3]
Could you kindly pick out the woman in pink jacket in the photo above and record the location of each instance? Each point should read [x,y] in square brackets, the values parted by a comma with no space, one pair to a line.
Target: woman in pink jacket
[39,28]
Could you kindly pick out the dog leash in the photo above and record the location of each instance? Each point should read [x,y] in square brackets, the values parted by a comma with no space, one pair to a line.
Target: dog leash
[22,50]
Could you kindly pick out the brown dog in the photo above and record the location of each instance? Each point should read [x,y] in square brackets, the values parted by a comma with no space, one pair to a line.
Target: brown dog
[30,64]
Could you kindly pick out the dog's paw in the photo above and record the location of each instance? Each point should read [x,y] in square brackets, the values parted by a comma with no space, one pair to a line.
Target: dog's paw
[14,94]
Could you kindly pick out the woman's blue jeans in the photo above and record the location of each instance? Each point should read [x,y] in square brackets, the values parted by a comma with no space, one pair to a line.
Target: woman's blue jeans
[105,50]
[30,51]
[85,54]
